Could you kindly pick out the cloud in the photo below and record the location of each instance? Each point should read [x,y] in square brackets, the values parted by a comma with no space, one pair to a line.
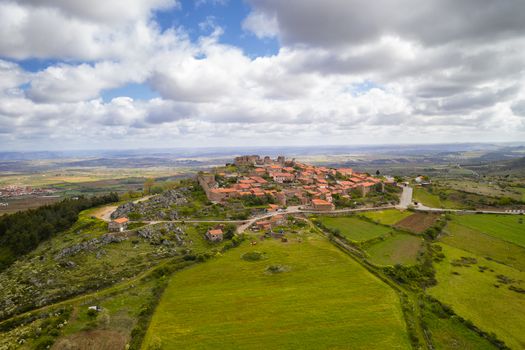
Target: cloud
[346,72]
[261,24]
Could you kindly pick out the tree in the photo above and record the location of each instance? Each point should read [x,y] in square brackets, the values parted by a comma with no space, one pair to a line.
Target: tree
[148,184]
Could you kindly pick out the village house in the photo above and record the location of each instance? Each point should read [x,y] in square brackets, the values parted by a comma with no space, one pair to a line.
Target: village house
[215,235]
[118,225]
[322,205]
[283,177]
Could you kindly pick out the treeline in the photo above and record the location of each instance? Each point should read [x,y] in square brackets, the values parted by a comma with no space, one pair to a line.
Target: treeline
[23,231]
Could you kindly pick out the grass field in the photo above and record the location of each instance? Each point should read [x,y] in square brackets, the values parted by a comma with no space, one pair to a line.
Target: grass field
[421,195]
[398,249]
[451,334]
[481,188]
[474,241]
[354,228]
[473,295]
[418,222]
[322,299]
[387,217]
[510,228]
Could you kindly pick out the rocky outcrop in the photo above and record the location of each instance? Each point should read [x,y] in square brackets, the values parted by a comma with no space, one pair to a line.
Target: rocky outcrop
[91,245]
[161,207]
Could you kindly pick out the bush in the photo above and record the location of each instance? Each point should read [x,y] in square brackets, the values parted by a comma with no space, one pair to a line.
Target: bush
[253,256]
[44,342]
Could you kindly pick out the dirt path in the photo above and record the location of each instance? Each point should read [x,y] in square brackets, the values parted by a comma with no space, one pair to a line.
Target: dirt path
[104,213]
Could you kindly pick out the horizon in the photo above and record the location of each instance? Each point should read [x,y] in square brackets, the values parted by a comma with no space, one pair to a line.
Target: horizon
[212,73]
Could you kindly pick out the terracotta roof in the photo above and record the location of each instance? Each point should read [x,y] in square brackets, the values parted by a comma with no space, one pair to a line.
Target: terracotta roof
[215,232]
[121,220]
[320,202]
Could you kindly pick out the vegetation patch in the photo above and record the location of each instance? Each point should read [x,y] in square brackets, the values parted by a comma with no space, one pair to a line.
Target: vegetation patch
[387,217]
[397,249]
[277,268]
[228,303]
[481,244]
[475,297]
[353,228]
[253,256]
[510,228]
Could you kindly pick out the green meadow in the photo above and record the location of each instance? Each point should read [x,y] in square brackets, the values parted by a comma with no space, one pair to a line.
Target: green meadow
[421,195]
[476,293]
[400,248]
[302,294]
[478,243]
[353,228]
[510,228]
[387,217]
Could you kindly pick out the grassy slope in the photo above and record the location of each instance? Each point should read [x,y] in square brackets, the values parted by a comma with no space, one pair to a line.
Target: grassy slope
[472,295]
[481,244]
[506,227]
[354,228]
[387,217]
[325,300]
[398,249]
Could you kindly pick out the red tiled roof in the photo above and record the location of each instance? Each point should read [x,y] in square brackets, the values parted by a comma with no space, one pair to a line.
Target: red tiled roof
[320,202]
[121,220]
[215,232]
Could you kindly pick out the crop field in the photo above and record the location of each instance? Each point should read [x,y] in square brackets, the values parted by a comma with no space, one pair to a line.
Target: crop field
[418,222]
[387,217]
[478,243]
[398,249]
[353,228]
[304,293]
[510,228]
[26,202]
[478,290]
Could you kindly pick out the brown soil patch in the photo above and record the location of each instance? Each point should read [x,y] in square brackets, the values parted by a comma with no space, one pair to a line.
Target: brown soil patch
[92,340]
[417,222]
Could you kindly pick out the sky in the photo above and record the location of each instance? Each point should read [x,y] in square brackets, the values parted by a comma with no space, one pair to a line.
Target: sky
[131,74]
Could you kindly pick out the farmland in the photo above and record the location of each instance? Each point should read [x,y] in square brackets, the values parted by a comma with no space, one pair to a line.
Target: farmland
[506,227]
[320,299]
[423,196]
[484,245]
[353,228]
[400,248]
[387,217]
[470,284]
[417,222]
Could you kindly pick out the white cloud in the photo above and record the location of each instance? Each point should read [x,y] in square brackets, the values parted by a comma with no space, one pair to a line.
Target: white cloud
[261,24]
[357,79]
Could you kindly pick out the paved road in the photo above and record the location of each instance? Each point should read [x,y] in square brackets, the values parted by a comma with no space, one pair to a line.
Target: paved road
[406,197]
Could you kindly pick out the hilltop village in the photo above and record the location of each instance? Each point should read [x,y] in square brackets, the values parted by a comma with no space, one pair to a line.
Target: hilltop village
[281,182]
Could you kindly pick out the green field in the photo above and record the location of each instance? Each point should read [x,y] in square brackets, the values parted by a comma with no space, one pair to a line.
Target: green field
[510,228]
[353,228]
[398,249]
[387,217]
[474,296]
[473,241]
[322,299]
[421,195]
